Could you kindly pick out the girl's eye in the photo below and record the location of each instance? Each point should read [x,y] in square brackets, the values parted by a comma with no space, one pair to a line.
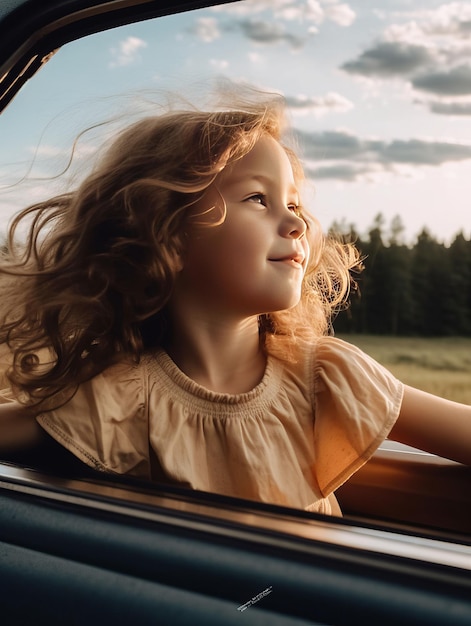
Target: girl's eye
[261,198]
[258,198]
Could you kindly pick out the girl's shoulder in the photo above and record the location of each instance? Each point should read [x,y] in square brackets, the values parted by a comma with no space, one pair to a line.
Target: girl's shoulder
[336,353]
[356,403]
[105,422]
[337,367]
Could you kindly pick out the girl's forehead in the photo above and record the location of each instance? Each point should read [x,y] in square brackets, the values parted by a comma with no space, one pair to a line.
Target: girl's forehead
[267,159]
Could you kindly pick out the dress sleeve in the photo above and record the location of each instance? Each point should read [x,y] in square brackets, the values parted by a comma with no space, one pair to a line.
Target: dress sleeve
[357,402]
[105,423]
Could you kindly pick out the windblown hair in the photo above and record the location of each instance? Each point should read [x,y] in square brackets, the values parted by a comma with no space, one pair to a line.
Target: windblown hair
[92,280]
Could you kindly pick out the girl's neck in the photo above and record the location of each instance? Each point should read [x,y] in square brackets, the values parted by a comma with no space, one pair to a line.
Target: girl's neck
[223,356]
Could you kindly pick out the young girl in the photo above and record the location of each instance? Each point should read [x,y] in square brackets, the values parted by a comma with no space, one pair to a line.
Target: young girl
[169,319]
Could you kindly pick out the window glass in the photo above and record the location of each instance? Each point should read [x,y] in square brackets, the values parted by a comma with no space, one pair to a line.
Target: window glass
[380,99]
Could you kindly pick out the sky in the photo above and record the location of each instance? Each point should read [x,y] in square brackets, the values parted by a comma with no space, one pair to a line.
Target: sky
[379,97]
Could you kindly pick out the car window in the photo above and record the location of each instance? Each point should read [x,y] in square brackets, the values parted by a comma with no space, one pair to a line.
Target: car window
[380,102]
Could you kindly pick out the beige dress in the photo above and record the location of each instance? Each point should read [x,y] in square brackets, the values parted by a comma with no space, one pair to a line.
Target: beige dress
[292,440]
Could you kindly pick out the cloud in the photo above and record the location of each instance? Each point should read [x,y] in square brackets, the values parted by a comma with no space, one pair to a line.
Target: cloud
[206,29]
[450,108]
[345,156]
[219,64]
[261,20]
[47,150]
[332,102]
[254,57]
[453,82]
[345,172]
[127,51]
[419,152]
[249,7]
[330,145]
[389,59]
[448,20]
[453,19]
[428,49]
[341,14]
[81,150]
[465,28]
[308,11]
[266,32]
[294,10]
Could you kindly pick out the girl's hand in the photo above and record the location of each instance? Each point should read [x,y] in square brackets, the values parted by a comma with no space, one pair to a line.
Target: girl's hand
[18,427]
[435,425]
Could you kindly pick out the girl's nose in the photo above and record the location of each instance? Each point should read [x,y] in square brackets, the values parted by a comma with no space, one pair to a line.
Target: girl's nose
[294,226]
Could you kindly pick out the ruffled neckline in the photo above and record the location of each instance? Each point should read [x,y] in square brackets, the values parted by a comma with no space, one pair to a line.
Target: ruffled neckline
[164,371]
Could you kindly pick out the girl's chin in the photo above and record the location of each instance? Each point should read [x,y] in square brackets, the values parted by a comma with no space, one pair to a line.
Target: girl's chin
[286,305]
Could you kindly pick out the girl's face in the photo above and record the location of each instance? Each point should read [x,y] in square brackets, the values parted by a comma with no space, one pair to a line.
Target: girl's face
[254,262]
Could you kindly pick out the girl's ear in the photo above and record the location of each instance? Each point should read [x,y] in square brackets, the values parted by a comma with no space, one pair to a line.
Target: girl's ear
[179,264]
[179,252]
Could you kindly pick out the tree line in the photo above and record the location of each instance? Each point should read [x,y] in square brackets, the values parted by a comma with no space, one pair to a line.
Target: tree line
[422,289]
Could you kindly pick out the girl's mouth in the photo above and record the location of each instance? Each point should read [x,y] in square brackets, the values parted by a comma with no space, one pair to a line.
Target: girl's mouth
[292,260]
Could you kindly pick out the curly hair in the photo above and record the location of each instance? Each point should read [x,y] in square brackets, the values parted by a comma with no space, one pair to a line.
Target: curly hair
[92,280]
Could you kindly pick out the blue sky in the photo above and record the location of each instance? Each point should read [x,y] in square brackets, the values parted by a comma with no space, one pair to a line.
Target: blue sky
[379,94]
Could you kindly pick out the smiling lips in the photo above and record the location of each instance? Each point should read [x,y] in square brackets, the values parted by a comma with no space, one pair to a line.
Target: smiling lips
[296,259]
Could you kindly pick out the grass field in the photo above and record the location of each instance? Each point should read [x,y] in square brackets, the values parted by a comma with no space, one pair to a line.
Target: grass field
[441,365]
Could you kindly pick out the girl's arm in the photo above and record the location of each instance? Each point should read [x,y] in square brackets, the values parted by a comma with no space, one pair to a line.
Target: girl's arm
[18,427]
[435,425]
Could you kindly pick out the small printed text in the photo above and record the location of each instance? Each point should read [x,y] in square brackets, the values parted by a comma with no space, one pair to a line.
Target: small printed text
[255,599]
